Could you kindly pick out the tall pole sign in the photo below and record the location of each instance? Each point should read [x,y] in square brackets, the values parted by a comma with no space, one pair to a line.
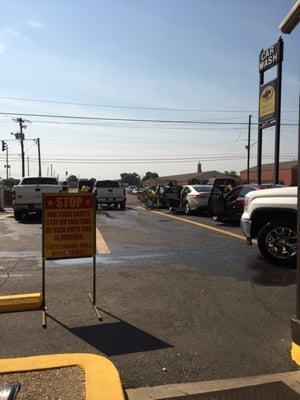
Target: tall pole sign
[270,103]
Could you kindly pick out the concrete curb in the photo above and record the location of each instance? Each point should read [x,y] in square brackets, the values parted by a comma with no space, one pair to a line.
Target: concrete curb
[102,381]
[20,302]
[291,379]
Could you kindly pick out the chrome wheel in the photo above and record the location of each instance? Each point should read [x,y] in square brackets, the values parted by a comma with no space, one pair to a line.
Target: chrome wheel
[281,242]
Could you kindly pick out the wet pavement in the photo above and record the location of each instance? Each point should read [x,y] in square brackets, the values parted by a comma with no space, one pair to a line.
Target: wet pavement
[180,303]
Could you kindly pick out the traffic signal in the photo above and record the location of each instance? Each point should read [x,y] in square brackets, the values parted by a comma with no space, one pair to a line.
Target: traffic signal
[4,145]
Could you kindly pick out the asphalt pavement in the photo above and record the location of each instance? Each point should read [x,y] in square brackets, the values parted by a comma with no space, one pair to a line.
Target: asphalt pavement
[180,302]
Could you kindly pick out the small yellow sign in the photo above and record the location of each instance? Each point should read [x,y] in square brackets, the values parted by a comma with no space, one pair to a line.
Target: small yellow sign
[267,102]
[69,229]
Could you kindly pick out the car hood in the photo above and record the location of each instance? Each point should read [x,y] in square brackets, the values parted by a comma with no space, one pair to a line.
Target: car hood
[273,192]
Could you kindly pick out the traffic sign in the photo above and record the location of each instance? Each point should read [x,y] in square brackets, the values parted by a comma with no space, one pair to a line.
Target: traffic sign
[69,229]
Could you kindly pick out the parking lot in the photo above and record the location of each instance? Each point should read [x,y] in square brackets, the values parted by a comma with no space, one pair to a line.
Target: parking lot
[183,298]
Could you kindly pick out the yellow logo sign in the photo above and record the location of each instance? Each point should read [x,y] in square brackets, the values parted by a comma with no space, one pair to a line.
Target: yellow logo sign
[267,101]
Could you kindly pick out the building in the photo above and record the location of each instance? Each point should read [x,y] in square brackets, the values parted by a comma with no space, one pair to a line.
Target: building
[287,173]
[193,178]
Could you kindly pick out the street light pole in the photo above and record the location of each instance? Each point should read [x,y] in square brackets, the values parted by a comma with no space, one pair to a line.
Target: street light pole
[287,26]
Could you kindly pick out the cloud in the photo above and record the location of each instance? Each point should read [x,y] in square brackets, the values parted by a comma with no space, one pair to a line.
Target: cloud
[11,33]
[34,24]
[2,48]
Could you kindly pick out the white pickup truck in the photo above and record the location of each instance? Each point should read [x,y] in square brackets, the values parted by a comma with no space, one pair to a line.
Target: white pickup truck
[109,192]
[27,195]
[270,215]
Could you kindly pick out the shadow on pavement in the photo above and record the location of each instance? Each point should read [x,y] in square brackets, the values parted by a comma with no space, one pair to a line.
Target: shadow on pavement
[116,338]
[265,274]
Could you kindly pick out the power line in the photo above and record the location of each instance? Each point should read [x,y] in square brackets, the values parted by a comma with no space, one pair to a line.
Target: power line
[160,121]
[119,162]
[117,106]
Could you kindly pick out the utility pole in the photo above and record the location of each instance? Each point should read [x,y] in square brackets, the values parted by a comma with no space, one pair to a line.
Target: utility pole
[20,120]
[7,166]
[51,166]
[248,149]
[20,136]
[39,156]
[28,174]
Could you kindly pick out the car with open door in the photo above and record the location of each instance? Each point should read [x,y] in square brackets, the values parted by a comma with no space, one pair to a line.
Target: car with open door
[190,198]
[229,206]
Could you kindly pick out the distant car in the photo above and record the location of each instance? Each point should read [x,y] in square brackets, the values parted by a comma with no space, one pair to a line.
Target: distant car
[189,198]
[134,190]
[230,206]
[130,189]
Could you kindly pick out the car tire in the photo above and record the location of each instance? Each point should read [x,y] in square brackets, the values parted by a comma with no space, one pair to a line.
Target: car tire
[122,206]
[277,242]
[187,208]
[18,214]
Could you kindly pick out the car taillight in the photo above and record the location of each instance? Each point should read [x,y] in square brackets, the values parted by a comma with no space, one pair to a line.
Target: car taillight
[14,195]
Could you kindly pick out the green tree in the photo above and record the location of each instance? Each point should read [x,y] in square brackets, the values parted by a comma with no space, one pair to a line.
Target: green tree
[233,174]
[150,175]
[133,179]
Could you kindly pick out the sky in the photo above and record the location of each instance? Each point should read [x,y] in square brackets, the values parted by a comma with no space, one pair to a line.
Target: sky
[158,60]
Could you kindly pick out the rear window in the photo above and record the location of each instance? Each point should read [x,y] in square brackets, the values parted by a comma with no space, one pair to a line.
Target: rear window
[203,189]
[39,181]
[106,184]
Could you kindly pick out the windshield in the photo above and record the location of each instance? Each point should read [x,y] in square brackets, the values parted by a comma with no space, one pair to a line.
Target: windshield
[39,181]
[107,184]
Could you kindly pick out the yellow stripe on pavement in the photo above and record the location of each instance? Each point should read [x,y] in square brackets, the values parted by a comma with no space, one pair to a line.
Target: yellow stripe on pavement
[101,246]
[209,227]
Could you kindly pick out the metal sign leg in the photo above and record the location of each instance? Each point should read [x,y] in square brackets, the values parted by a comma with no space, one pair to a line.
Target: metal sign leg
[44,315]
[93,298]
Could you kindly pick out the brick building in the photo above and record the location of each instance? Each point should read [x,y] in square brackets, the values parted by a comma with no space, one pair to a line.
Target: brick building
[287,173]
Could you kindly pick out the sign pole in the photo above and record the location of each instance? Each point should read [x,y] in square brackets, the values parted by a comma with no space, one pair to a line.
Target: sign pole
[278,114]
[248,148]
[44,321]
[259,136]
[93,298]
[270,103]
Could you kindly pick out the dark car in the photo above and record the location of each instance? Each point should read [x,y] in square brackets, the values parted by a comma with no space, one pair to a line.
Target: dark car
[229,206]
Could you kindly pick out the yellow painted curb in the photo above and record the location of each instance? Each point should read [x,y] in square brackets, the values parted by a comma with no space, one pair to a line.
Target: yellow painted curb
[20,302]
[295,353]
[102,381]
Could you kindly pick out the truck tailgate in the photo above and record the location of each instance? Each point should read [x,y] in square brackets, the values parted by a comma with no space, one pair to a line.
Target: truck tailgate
[32,194]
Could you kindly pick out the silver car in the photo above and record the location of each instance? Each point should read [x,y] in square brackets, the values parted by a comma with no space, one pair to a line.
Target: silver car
[195,197]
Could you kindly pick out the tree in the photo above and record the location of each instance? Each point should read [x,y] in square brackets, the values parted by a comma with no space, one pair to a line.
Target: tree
[233,174]
[133,179]
[149,175]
